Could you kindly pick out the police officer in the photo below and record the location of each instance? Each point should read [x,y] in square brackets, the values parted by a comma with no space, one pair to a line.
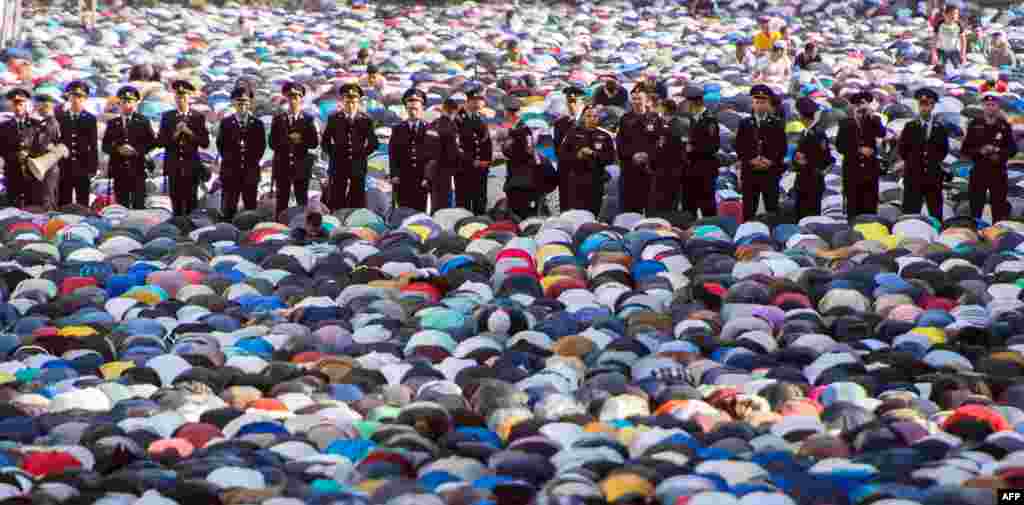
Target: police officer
[701,155]
[563,125]
[413,153]
[182,134]
[525,170]
[478,153]
[241,142]
[857,141]
[923,144]
[761,147]
[584,154]
[78,131]
[989,143]
[671,160]
[21,138]
[810,160]
[44,192]
[349,139]
[640,139]
[293,134]
[127,140]
[450,158]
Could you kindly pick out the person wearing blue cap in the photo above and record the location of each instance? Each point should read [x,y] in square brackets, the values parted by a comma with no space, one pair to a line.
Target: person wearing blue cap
[701,156]
[241,142]
[989,144]
[348,140]
[923,144]
[293,134]
[585,153]
[78,131]
[761,147]
[811,159]
[127,140]
[857,141]
[413,153]
[640,139]
[182,134]
[477,155]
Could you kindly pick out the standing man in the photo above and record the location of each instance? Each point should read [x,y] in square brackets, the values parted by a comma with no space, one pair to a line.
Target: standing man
[241,142]
[611,93]
[923,144]
[811,159]
[77,132]
[450,157]
[478,153]
[21,138]
[564,125]
[44,192]
[702,156]
[127,140]
[857,141]
[761,146]
[584,154]
[989,144]
[349,139]
[182,134]
[413,153]
[293,134]
[639,142]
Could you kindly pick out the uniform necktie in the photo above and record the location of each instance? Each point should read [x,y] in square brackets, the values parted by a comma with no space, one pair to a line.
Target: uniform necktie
[928,128]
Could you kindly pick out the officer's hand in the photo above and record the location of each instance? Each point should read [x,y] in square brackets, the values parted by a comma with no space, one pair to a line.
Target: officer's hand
[867,151]
[394,180]
[22,155]
[586,152]
[295,137]
[126,150]
[186,130]
[425,183]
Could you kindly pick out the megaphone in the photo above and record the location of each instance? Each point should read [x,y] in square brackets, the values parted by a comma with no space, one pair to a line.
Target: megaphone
[41,165]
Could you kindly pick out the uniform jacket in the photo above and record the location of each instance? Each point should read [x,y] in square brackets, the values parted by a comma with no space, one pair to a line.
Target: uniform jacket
[851,137]
[349,142]
[475,139]
[182,151]
[981,133]
[922,152]
[136,131]
[600,141]
[766,138]
[82,142]
[640,133]
[293,161]
[414,151]
[241,144]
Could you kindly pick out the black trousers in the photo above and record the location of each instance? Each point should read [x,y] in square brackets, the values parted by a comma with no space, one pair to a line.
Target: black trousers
[284,187]
[440,193]
[73,185]
[754,186]
[247,190]
[471,190]
[926,190]
[988,179]
[348,190]
[699,191]
[130,190]
[183,194]
[861,196]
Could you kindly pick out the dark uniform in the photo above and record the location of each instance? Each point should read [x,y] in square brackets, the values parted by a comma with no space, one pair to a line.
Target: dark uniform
[989,173]
[813,148]
[129,172]
[526,172]
[562,127]
[586,174]
[293,163]
[23,138]
[43,193]
[450,161]
[765,137]
[349,141]
[923,144]
[413,153]
[638,134]
[616,97]
[702,160]
[181,161]
[471,181]
[78,133]
[860,173]
[241,142]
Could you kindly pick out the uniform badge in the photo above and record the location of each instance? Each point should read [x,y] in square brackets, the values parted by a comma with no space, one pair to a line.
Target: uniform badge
[650,127]
[432,133]
[598,145]
[999,136]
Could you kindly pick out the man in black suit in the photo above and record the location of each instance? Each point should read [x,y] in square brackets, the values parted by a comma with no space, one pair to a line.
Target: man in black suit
[21,138]
[450,160]
[241,141]
[477,155]
[349,140]
[127,140]
[182,134]
[923,144]
[857,140]
[563,126]
[413,153]
[293,134]
[78,133]
[761,147]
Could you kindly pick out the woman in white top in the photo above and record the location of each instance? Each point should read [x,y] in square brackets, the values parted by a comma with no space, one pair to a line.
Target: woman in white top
[949,45]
